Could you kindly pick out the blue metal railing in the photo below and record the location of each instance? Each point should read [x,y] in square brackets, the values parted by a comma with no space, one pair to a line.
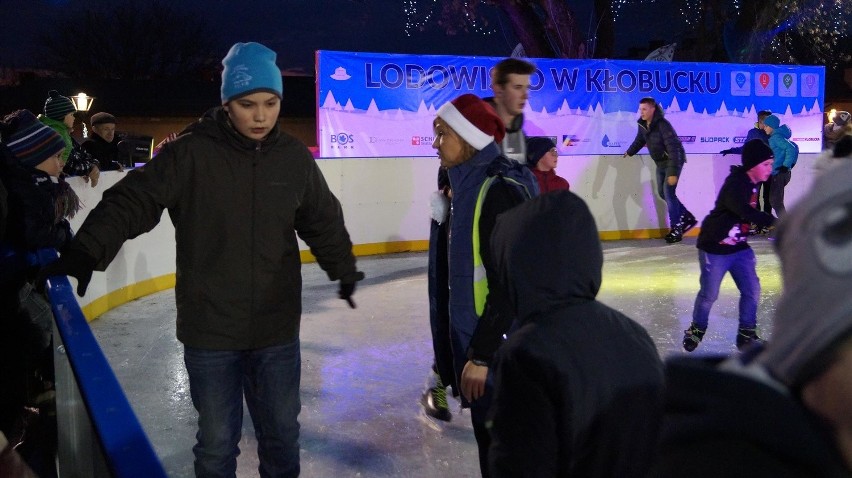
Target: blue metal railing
[127,452]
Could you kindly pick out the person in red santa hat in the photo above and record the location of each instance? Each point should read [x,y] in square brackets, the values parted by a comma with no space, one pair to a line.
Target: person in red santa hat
[484,183]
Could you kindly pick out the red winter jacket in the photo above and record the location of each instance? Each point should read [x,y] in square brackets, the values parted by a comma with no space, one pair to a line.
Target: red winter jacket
[549,181]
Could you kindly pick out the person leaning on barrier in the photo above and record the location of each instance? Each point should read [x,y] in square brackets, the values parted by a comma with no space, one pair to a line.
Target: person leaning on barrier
[238,190]
[102,144]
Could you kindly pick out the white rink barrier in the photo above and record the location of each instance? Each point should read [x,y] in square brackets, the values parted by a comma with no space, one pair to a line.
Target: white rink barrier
[386,206]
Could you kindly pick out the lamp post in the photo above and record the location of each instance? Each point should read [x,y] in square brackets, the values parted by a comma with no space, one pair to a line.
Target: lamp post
[83,102]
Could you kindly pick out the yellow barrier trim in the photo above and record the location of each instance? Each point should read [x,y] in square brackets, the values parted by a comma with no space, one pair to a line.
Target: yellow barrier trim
[121,296]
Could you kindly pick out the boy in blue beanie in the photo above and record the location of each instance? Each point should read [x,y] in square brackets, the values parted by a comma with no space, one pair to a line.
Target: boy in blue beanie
[786,154]
[238,190]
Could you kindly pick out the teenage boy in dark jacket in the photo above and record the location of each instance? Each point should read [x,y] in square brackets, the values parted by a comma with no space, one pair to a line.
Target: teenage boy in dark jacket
[723,246]
[667,152]
[237,190]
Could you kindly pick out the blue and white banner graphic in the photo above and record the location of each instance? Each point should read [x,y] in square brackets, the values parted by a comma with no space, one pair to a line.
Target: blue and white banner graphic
[382,105]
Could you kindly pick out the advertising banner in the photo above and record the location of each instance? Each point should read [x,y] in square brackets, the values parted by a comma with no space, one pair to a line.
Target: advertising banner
[382,105]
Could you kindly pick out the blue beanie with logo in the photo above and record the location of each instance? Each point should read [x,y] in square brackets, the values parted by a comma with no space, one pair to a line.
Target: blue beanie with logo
[249,68]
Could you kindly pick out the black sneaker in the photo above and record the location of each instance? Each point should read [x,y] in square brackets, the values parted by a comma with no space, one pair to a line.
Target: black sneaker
[675,235]
[434,401]
[692,337]
[687,222]
[746,337]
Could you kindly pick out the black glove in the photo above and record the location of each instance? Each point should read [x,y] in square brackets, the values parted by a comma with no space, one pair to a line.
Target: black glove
[73,263]
[783,169]
[347,287]
[726,152]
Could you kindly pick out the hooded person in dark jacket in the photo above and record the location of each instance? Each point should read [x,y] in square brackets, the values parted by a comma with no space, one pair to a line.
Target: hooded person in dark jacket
[667,151]
[238,190]
[578,386]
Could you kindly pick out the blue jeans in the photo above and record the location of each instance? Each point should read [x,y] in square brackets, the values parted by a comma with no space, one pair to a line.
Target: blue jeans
[741,265]
[667,193]
[269,380]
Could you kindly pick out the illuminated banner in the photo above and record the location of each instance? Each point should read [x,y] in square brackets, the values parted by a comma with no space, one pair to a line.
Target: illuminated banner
[379,105]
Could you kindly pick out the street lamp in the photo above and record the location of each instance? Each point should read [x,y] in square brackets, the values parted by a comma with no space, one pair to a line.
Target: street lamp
[83,102]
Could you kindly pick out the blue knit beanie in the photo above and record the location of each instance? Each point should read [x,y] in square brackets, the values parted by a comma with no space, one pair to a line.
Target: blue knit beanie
[249,68]
[772,121]
[56,106]
[32,142]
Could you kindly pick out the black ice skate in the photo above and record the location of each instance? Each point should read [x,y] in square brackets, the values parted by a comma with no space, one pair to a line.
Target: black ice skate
[746,337]
[692,337]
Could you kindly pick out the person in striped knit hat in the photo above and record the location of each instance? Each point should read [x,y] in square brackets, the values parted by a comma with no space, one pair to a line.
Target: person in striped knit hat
[39,205]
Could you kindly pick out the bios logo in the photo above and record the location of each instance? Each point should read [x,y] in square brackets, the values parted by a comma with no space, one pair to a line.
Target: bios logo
[343,141]
[687,139]
[422,140]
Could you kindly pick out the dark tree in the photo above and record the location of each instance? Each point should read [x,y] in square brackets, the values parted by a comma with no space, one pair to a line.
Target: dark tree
[754,31]
[132,40]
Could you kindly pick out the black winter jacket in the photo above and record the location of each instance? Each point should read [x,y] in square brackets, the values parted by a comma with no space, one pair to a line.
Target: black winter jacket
[663,144]
[236,205]
[725,230]
[34,220]
[578,387]
[106,153]
[723,424]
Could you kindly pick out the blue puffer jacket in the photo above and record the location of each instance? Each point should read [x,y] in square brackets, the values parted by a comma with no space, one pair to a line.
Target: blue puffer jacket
[786,152]
[466,180]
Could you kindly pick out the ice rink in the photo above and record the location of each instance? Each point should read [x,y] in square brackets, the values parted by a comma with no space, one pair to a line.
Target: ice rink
[363,370]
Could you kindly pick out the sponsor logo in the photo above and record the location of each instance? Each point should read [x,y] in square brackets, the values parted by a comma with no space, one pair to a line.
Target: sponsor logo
[375,140]
[806,140]
[686,139]
[715,139]
[343,141]
[740,139]
[607,143]
[572,140]
[422,140]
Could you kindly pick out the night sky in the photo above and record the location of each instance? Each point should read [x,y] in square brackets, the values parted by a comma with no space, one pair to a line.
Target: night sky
[295,28]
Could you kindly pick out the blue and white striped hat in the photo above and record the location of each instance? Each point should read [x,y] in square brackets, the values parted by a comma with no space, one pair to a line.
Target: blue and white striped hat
[32,141]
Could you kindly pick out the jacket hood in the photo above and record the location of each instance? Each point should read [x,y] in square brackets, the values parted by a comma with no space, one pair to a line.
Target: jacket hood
[658,115]
[547,254]
[783,130]
[517,122]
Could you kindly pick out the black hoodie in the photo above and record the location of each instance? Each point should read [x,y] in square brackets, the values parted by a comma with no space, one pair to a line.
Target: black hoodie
[724,424]
[725,229]
[578,387]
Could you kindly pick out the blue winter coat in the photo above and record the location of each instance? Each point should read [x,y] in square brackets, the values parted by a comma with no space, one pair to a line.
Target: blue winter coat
[786,152]
[466,180]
